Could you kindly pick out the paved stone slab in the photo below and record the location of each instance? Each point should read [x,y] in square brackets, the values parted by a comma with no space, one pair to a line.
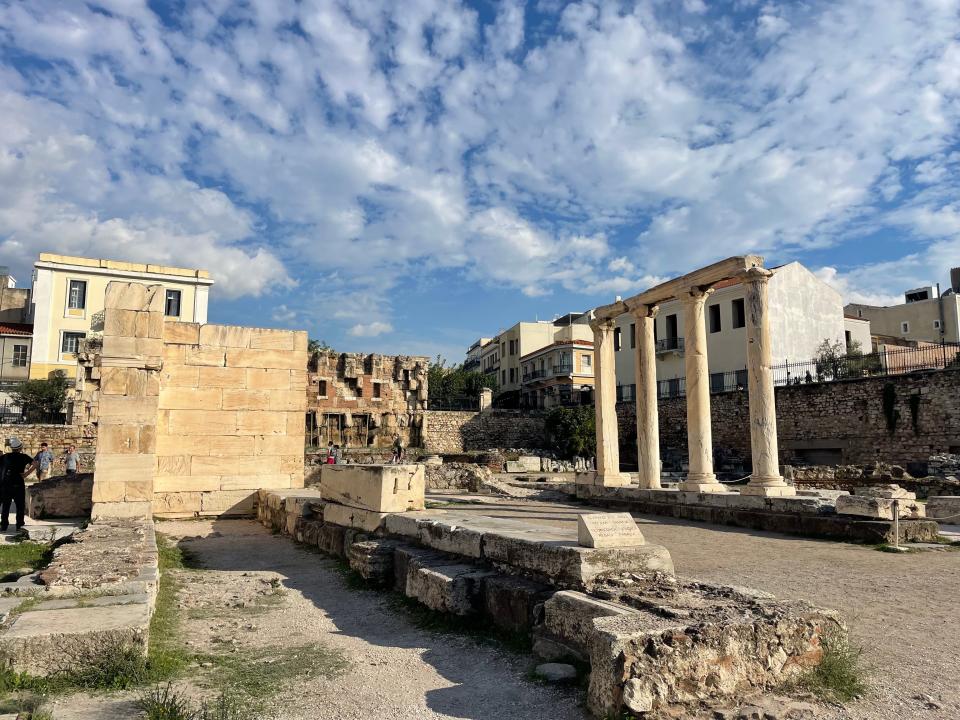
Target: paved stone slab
[878,507]
[602,530]
[377,488]
[350,517]
[944,509]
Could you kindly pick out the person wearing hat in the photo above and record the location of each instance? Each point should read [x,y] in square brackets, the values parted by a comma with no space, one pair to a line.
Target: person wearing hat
[13,467]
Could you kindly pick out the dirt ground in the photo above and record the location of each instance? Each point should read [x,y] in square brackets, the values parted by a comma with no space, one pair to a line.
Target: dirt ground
[902,609]
[393,669]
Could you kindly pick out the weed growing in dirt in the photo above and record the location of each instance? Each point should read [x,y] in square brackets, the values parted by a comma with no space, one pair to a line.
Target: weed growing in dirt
[107,664]
[26,705]
[167,657]
[164,702]
[840,674]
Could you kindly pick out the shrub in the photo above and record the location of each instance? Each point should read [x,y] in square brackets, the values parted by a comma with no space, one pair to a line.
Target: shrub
[840,674]
[571,431]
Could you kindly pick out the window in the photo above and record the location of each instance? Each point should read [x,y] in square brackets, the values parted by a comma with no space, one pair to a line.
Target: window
[77,295]
[847,337]
[717,381]
[936,324]
[671,321]
[19,355]
[172,307]
[70,342]
[376,389]
[513,375]
[739,314]
[904,327]
[503,376]
[633,335]
[714,318]
[617,340]
[322,388]
[585,361]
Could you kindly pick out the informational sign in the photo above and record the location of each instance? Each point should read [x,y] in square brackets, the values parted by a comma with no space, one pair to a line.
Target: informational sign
[605,530]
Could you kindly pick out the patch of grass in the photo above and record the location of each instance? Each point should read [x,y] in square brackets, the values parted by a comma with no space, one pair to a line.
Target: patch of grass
[111,664]
[24,554]
[167,656]
[26,705]
[258,674]
[840,675]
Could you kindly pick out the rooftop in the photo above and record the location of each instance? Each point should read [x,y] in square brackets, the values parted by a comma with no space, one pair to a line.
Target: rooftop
[121,266]
[21,329]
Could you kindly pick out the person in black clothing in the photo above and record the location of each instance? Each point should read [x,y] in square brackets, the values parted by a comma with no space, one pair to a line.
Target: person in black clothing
[12,488]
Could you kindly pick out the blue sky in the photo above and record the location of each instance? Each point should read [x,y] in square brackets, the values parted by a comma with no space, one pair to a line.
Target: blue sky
[405,177]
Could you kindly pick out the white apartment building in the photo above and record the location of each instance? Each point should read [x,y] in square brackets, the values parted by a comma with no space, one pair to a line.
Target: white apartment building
[803,310]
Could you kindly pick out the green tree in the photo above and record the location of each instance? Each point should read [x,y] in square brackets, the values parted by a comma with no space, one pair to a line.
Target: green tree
[39,399]
[571,431]
[315,346]
[830,360]
[450,383]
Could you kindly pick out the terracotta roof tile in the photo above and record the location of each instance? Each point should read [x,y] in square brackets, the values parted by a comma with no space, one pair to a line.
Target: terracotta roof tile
[23,329]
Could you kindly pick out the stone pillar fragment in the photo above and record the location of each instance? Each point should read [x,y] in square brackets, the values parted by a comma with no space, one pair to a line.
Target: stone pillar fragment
[766,479]
[605,405]
[130,362]
[700,476]
[648,427]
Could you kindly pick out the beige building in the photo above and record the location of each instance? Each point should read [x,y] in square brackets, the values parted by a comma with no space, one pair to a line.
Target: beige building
[14,301]
[804,311]
[560,373]
[924,316]
[501,356]
[475,354]
[68,297]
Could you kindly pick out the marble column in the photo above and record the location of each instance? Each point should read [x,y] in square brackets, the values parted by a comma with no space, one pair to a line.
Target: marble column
[766,479]
[645,372]
[700,476]
[605,402]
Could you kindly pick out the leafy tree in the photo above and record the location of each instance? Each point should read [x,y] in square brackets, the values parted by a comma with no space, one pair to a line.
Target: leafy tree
[830,360]
[446,384]
[42,398]
[315,346]
[571,431]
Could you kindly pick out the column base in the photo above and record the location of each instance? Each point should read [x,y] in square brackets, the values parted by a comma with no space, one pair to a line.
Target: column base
[592,477]
[702,484]
[773,489]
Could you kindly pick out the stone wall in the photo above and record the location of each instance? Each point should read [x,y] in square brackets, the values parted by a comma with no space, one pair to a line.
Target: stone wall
[231,420]
[58,437]
[826,423]
[446,431]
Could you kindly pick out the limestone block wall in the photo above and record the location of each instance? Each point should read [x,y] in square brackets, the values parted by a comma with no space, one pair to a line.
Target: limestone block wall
[231,417]
[446,431]
[845,420]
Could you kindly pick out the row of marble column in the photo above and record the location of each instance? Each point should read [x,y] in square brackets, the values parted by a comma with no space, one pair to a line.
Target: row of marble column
[766,479]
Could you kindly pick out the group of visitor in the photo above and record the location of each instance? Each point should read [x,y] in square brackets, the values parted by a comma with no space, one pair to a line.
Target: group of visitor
[16,466]
[335,452]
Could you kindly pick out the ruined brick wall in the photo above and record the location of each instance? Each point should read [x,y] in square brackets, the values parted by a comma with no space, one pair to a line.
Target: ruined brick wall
[58,437]
[231,417]
[362,400]
[845,419]
[446,431]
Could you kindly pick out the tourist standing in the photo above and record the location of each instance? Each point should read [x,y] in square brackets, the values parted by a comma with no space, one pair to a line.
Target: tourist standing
[71,460]
[43,462]
[397,449]
[14,467]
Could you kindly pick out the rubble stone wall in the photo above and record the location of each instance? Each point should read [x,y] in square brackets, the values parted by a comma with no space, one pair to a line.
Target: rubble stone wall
[362,400]
[846,419]
[446,431]
[58,437]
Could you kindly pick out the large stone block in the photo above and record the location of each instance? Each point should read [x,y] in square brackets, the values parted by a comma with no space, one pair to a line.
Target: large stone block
[181,376]
[122,409]
[379,488]
[266,379]
[512,603]
[222,377]
[190,398]
[227,502]
[278,445]
[281,481]
[202,422]
[186,483]
[225,336]
[568,616]
[877,507]
[373,560]
[181,333]
[264,339]
[944,508]
[235,465]
[232,445]
[207,356]
[450,588]
[243,399]
[176,503]
[349,517]
[274,359]
[288,400]
[261,422]
[125,467]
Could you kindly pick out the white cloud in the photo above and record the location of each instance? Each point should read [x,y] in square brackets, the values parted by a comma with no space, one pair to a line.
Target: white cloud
[371,329]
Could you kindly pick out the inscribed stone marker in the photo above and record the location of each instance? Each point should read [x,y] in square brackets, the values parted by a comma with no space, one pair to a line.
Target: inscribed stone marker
[603,530]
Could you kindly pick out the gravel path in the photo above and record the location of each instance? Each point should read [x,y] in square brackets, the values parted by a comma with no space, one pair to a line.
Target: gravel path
[902,609]
[395,670]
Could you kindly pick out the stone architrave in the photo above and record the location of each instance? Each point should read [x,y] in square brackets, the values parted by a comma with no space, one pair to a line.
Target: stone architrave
[700,477]
[605,390]
[648,424]
[604,530]
[766,479]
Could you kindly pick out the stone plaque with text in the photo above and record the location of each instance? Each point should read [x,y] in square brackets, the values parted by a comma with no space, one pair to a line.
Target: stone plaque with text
[604,530]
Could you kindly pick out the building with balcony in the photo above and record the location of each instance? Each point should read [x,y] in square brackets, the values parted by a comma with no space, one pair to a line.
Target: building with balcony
[559,374]
[804,311]
[67,300]
[475,354]
[925,316]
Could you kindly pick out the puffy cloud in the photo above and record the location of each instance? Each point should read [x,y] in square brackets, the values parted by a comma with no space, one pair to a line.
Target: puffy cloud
[371,329]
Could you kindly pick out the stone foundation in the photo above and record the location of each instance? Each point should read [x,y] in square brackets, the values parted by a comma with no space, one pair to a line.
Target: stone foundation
[653,642]
[65,496]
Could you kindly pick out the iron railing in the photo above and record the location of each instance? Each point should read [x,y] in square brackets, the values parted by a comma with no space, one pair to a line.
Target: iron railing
[670,344]
[831,369]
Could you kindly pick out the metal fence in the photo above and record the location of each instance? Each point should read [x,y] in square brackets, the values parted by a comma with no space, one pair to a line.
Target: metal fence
[889,361]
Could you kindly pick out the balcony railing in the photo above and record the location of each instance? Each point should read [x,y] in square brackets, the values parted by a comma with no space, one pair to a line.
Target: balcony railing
[670,344]
[563,369]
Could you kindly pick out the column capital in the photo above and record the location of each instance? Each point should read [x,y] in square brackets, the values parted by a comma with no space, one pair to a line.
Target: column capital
[602,324]
[755,275]
[695,295]
[644,311]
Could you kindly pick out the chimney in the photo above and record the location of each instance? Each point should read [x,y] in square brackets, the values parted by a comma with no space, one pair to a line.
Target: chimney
[955,279]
